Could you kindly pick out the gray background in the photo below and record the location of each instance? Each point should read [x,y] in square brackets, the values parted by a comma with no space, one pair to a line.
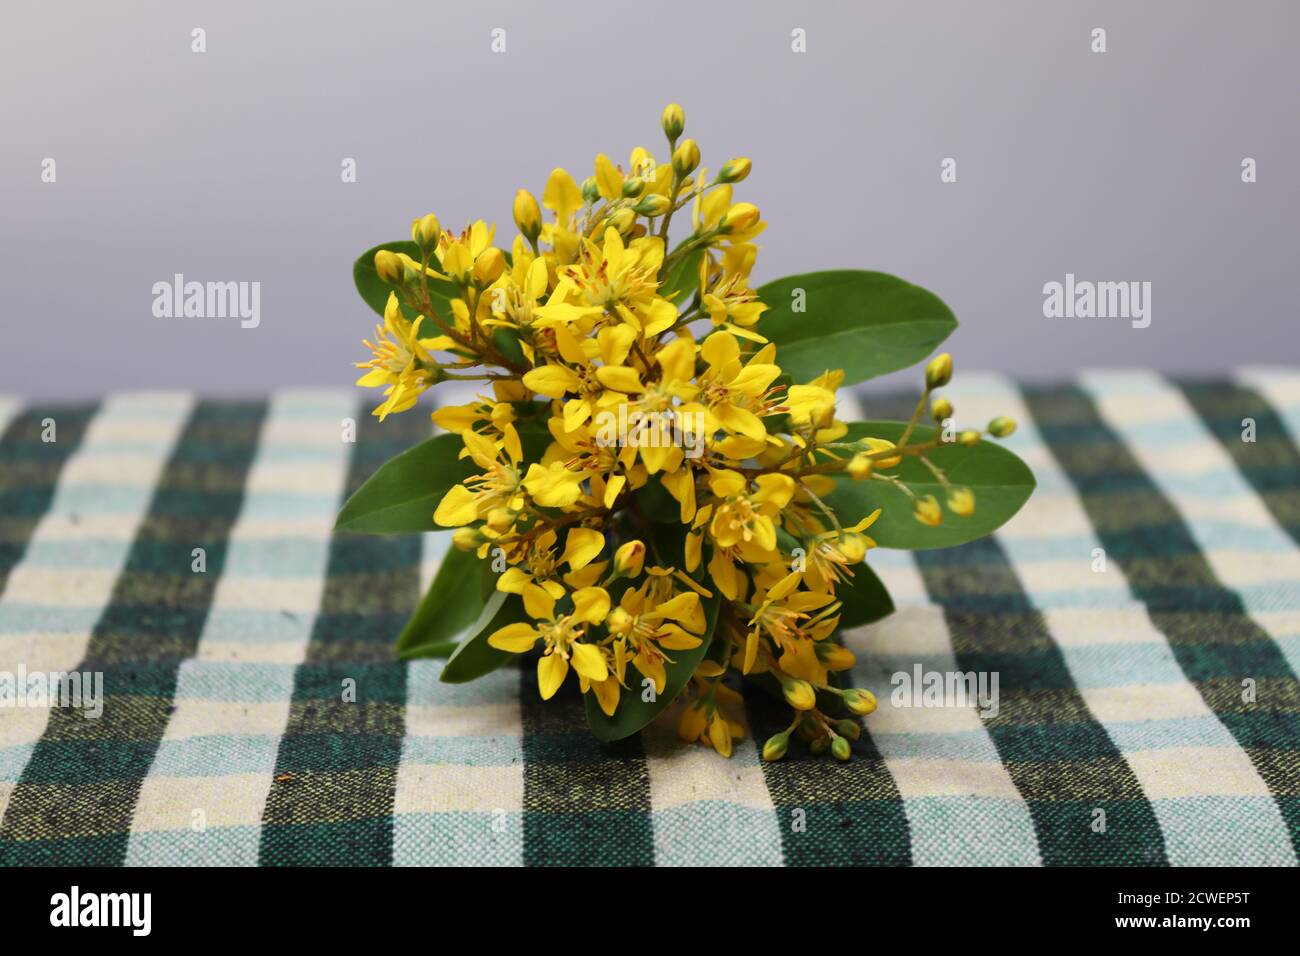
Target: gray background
[225,165]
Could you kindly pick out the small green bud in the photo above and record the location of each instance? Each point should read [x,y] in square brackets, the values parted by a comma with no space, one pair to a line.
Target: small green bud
[590,191]
[941,409]
[799,694]
[848,728]
[776,746]
[809,728]
[861,702]
[686,158]
[425,232]
[820,745]
[673,121]
[939,372]
[390,267]
[623,220]
[632,188]
[841,750]
[528,215]
[968,437]
[1002,427]
[653,205]
[735,170]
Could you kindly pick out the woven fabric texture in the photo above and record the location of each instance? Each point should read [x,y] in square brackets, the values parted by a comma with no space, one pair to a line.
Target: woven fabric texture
[1142,614]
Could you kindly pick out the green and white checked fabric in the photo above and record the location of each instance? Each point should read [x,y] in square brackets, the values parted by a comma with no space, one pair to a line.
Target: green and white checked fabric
[226,738]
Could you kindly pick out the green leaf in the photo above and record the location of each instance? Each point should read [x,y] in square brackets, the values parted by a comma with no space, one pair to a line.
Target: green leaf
[633,713]
[657,503]
[1001,483]
[375,290]
[404,493]
[450,606]
[506,341]
[864,599]
[683,278]
[867,323]
[475,656]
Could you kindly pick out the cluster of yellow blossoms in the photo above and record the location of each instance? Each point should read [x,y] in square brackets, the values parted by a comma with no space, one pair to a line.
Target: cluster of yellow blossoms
[591,319]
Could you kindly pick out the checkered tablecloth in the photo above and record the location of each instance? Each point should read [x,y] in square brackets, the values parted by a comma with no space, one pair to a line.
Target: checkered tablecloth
[1142,614]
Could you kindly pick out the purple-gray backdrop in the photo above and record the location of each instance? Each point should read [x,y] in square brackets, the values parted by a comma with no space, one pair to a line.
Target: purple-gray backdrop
[225,165]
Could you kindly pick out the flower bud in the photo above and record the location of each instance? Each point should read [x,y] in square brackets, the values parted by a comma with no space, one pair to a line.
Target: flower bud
[799,694]
[776,746]
[425,232]
[853,546]
[961,501]
[841,750]
[528,215]
[968,437]
[860,702]
[848,728]
[720,734]
[623,220]
[941,409]
[692,723]
[739,217]
[673,121]
[882,444]
[860,466]
[632,188]
[502,519]
[939,372]
[466,539]
[629,559]
[491,262]
[735,170]
[819,745]
[835,656]
[685,158]
[927,511]
[809,729]
[653,204]
[1002,427]
[590,191]
[390,267]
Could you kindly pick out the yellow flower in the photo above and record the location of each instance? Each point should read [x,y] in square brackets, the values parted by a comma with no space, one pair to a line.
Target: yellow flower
[401,360]
[830,554]
[735,395]
[534,580]
[927,511]
[961,502]
[554,486]
[645,629]
[587,334]
[743,516]
[615,278]
[459,254]
[730,303]
[497,486]
[563,637]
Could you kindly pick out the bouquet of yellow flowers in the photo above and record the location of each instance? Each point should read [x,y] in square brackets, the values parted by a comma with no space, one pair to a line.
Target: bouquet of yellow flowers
[652,493]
